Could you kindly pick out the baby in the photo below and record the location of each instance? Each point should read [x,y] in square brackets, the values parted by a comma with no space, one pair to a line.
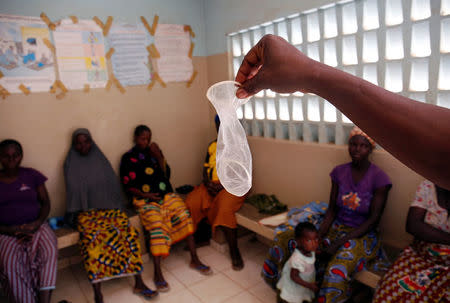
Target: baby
[297,282]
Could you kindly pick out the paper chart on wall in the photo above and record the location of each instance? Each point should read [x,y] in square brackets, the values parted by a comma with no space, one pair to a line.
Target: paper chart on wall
[130,58]
[80,53]
[24,58]
[173,44]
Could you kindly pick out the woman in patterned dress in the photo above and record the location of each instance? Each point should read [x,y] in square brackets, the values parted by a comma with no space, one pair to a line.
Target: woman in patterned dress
[422,271]
[145,175]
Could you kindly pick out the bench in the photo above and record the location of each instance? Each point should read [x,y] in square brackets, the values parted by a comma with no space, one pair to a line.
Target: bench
[248,217]
[68,236]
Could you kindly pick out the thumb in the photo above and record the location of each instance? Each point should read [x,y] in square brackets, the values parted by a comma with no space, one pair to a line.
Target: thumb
[253,85]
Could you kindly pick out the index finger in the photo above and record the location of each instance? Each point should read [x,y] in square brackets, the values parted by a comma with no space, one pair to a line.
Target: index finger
[252,60]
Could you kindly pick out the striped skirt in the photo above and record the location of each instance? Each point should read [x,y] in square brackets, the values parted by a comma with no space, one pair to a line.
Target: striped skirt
[28,267]
[168,222]
[109,245]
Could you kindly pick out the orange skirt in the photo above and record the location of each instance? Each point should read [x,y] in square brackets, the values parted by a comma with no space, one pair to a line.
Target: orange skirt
[219,210]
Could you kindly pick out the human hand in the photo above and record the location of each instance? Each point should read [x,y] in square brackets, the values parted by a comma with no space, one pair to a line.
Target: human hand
[333,248]
[274,63]
[29,228]
[155,151]
[152,196]
[314,287]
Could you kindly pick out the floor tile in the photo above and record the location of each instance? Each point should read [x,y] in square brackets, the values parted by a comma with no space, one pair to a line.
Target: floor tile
[66,289]
[216,289]
[263,292]
[218,261]
[249,276]
[183,296]
[243,297]
[186,275]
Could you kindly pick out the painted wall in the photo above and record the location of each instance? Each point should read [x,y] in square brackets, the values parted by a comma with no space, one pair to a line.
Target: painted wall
[178,116]
[169,11]
[224,17]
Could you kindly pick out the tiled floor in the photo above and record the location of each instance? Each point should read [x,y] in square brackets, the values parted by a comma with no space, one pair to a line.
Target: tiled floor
[187,285]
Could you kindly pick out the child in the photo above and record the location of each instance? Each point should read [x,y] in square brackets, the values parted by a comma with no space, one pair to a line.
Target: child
[297,282]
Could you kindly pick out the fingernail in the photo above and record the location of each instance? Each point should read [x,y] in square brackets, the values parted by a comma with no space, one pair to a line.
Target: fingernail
[241,93]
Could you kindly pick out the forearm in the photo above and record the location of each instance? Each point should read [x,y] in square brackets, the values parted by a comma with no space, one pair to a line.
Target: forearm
[391,114]
[425,232]
[326,223]
[44,212]
[8,230]
[136,192]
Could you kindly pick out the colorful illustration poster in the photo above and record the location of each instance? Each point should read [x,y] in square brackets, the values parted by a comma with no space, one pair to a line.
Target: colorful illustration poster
[80,53]
[173,44]
[130,58]
[24,57]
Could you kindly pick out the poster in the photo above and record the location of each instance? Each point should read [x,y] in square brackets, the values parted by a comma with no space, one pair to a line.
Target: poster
[129,61]
[80,53]
[24,57]
[173,44]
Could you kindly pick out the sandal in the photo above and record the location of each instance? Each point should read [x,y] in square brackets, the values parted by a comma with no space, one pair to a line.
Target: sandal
[162,286]
[203,269]
[146,293]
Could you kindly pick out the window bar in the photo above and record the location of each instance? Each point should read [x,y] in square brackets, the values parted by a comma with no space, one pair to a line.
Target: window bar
[381,33]
[339,135]
[323,138]
[407,39]
[435,56]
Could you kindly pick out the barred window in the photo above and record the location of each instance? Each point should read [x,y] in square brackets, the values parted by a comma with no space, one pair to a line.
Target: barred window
[403,46]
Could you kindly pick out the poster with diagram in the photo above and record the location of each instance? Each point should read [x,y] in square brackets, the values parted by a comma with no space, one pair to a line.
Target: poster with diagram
[24,57]
[173,44]
[80,53]
[130,62]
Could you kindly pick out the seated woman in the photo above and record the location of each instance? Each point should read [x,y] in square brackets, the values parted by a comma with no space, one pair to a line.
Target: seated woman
[109,245]
[28,249]
[358,195]
[210,200]
[145,176]
[422,271]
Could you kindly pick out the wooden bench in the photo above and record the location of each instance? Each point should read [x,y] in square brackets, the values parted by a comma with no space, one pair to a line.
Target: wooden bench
[248,217]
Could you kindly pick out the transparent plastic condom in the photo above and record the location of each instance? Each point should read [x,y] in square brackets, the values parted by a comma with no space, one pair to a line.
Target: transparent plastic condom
[233,157]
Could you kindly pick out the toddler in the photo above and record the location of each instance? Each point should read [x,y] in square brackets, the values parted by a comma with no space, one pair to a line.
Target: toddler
[297,282]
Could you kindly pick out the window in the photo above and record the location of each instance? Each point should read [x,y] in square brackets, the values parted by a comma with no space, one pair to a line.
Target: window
[386,42]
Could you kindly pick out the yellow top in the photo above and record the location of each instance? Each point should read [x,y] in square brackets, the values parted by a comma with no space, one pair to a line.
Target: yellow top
[210,162]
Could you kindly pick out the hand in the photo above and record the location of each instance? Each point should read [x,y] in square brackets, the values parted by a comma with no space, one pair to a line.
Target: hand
[314,287]
[30,228]
[213,187]
[274,63]
[333,248]
[155,151]
[152,196]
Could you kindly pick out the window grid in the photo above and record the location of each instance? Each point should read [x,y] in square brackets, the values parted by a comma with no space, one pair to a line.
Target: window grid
[418,67]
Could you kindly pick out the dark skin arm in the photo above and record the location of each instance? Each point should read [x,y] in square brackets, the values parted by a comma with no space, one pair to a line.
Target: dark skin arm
[416,226]
[295,276]
[213,187]
[151,196]
[376,210]
[390,119]
[331,211]
[156,152]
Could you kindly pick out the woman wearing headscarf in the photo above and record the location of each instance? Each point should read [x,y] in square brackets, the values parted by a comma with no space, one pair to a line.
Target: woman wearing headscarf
[358,196]
[109,244]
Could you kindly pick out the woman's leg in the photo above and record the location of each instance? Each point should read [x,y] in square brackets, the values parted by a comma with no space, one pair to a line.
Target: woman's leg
[235,254]
[349,259]
[222,213]
[48,251]
[158,275]
[98,296]
[14,276]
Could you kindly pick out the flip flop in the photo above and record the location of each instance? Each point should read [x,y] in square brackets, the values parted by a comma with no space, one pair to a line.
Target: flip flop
[146,293]
[203,269]
[162,286]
